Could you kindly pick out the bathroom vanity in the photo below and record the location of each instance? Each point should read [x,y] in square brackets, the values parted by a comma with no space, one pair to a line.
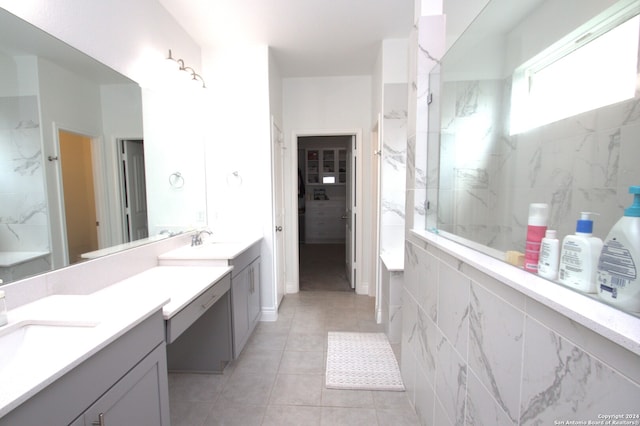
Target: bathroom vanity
[244,258]
[66,360]
[93,342]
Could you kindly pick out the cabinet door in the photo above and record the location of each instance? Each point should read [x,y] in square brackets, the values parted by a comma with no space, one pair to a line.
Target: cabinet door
[136,399]
[240,294]
[254,294]
[342,166]
[313,166]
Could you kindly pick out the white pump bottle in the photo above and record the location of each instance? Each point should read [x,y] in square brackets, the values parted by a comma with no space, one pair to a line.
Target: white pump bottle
[619,264]
[579,257]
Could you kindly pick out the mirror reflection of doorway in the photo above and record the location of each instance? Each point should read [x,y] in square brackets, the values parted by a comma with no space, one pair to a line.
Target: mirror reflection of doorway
[134,194]
[79,194]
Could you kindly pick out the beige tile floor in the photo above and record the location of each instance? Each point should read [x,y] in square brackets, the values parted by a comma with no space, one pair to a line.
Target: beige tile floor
[279,377]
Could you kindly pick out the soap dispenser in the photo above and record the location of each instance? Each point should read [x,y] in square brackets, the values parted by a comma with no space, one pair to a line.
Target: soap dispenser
[579,257]
[619,263]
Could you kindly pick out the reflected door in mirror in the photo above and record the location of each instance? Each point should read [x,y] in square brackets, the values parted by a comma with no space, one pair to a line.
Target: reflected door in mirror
[79,194]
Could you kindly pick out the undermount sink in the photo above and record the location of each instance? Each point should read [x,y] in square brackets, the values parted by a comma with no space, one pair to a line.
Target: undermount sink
[212,253]
[34,342]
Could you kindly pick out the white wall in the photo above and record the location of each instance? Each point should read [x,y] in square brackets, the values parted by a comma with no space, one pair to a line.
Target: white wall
[239,141]
[395,60]
[329,104]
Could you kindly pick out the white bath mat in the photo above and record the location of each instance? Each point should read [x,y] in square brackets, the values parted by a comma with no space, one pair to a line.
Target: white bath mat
[363,361]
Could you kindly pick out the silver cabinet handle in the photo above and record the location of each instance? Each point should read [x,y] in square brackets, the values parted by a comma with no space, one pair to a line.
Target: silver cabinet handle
[100,421]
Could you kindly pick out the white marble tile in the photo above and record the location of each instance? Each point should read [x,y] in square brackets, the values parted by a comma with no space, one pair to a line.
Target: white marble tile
[410,341]
[427,336]
[451,382]
[411,265]
[427,294]
[499,289]
[408,369]
[481,408]
[623,360]
[561,382]
[395,324]
[495,347]
[453,306]
[23,213]
[619,114]
[629,172]
[424,399]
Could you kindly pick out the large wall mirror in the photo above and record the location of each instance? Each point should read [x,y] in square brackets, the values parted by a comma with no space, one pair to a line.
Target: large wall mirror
[522,122]
[72,166]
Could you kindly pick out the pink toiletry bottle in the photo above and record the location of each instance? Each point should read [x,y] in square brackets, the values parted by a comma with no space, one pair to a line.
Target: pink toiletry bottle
[536,228]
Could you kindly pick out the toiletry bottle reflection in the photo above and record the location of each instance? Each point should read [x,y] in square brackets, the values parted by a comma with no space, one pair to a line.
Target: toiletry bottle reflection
[549,256]
[536,228]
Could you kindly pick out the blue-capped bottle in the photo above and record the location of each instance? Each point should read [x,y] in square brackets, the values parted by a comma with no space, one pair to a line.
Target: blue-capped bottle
[619,263]
[579,257]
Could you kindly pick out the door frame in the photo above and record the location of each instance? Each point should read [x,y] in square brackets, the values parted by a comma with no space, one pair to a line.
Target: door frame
[278,174]
[376,176]
[291,199]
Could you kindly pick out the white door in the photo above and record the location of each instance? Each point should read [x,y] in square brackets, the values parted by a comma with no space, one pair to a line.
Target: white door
[279,210]
[350,215]
[134,190]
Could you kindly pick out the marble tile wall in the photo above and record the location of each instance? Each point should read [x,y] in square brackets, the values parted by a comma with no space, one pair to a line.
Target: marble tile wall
[393,168]
[582,163]
[477,352]
[23,210]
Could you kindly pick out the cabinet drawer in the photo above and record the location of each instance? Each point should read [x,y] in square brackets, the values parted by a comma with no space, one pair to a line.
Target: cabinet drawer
[187,316]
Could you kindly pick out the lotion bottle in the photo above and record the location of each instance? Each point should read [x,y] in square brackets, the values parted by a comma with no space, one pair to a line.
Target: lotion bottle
[619,263]
[549,256]
[536,228]
[579,257]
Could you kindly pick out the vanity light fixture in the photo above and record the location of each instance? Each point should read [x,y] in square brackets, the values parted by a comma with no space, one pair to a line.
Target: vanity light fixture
[193,75]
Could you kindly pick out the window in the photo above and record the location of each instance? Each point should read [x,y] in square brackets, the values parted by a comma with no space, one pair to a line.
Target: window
[594,66]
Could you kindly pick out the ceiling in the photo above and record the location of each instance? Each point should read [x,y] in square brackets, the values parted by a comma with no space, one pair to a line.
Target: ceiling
[309,38]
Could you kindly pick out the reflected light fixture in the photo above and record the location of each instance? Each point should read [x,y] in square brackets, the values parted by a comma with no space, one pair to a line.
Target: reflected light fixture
[193,75]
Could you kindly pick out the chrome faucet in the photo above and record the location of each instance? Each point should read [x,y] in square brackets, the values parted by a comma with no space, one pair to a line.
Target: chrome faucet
[196,239]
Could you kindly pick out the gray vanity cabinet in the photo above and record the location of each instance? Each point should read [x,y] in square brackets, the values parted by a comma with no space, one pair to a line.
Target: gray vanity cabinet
[245,295]
[134,400]
[124,384]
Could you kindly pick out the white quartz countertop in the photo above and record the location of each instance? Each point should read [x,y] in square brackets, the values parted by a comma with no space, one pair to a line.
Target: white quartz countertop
[393,261]
[182,284]
[210,250]
[79,326]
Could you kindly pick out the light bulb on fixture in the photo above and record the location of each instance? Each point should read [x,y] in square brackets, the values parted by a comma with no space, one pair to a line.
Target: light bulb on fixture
[189,73]
[174,64]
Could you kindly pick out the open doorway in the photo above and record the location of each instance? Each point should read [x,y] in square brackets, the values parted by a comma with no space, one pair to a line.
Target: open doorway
[133,189]
[325,241]
[79,199]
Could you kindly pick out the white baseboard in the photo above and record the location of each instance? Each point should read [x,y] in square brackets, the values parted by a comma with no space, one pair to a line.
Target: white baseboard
[291,288]
[269,315]
[363,288]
